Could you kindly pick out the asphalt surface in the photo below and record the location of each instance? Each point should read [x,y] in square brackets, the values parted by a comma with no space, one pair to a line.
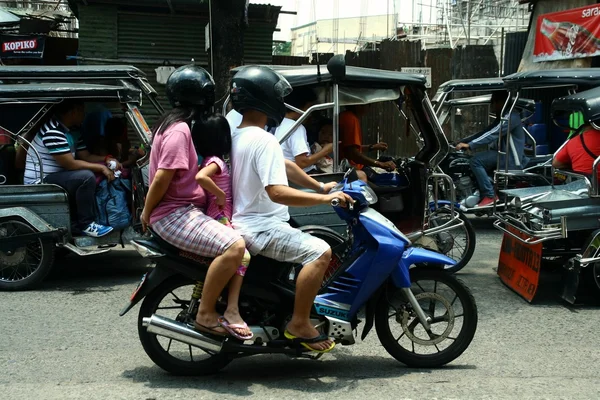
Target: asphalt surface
[66,341]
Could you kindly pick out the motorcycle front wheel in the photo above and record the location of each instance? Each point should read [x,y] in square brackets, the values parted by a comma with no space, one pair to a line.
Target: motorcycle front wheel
[447,303]
[171,299]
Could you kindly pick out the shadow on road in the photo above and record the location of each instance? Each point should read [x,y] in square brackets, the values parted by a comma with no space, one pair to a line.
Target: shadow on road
[343,371]
[100,273]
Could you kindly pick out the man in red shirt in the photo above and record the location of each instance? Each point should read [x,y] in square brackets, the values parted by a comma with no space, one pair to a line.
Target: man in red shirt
[580,152]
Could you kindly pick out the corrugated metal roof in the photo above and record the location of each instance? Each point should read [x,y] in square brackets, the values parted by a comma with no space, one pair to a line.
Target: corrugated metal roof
[265,12]
[8,18]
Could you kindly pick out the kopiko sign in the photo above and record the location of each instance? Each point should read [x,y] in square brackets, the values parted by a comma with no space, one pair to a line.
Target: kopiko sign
[22,46]
[568,34]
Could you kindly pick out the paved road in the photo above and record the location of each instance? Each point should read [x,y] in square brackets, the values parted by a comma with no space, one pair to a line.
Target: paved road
[66,341]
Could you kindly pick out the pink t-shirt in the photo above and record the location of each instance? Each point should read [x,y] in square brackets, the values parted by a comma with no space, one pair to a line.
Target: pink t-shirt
[173,149]
[223,181]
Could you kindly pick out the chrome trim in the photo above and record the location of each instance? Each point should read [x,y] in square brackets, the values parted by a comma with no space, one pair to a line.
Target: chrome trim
[29,216]
[145,251]
[83,252]
[181,332]
[417,307]
[535,236]
[303,117]
[340,330]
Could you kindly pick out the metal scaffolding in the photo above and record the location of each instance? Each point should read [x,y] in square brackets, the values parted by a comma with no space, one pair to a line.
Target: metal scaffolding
[460,22]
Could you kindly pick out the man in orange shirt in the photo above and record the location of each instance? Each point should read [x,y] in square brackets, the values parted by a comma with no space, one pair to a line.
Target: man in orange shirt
[352,147]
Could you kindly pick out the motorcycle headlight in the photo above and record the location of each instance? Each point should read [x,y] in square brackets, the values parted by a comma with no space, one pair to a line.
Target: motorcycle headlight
[369,194]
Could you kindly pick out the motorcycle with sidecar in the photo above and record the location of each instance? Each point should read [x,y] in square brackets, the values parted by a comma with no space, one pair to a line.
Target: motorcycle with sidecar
[35,220]
[556,225]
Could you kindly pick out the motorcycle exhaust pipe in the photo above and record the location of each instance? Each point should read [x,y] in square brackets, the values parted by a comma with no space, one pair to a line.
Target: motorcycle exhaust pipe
[181,332]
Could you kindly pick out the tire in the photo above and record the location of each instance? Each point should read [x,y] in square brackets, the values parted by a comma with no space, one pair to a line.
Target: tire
[462,255]
[152,344]
[25,267]
[434,357]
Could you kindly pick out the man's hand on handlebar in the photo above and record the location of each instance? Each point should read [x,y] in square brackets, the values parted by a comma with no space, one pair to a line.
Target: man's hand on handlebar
[388,165]
[328,186]
[462,146]
[339,199]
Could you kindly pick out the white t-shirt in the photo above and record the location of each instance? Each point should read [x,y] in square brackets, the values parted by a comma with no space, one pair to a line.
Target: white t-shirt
[256,162]
[234,118]
[296,144]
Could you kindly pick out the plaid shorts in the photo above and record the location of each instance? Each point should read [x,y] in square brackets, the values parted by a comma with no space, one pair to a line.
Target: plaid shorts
[286,244]
[189,229]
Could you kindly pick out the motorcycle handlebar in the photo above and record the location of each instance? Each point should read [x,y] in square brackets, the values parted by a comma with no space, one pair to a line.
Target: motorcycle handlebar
[337,203]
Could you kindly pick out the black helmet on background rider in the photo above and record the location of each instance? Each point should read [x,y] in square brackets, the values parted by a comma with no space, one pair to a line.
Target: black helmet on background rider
[191,86]
[262,89]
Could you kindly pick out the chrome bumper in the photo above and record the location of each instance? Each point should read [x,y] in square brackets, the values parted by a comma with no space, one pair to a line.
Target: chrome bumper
[504,221]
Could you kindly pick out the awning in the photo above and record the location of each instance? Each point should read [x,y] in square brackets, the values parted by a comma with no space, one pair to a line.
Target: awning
[8,18]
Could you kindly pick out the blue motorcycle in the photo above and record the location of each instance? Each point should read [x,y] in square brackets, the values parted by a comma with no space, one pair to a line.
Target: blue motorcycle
[424,316]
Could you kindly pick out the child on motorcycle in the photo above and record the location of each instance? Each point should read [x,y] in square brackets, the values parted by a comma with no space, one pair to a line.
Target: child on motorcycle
[212,138]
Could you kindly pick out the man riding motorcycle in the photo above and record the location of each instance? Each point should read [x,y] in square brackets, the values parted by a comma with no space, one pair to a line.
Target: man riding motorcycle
[482,163]
[261,196]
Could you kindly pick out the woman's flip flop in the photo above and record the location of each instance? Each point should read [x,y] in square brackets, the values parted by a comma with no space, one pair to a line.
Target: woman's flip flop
[305,342]
[232,327]
[210,329]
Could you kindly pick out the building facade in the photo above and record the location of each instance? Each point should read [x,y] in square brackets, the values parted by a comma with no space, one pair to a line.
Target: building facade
[340,35]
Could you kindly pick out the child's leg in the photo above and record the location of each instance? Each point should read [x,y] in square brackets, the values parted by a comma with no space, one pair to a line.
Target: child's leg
[235,286]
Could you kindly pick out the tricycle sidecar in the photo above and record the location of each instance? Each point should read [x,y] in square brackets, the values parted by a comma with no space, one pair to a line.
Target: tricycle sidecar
[405,200]
[35,219]
[559,223]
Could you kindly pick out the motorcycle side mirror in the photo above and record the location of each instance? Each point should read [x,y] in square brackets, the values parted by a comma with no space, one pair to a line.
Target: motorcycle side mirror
[353,175]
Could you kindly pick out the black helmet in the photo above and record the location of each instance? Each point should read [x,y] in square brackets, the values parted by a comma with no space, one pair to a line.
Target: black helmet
[191,85]
[262,89]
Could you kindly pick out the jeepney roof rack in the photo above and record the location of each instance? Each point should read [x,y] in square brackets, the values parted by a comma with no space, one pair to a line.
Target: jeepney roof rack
[52,92]
[522,104]
[70,72]
[587,103]
[472,85]
[553,78]
[307,75]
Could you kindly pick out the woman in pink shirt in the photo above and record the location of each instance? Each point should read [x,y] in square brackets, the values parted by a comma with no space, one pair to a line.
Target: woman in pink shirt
[175,203]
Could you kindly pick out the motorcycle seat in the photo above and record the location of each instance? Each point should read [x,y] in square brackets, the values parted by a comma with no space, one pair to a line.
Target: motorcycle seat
[162,246]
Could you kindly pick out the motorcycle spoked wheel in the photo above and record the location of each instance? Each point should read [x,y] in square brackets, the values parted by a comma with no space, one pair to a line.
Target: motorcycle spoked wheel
[446,301]
[457,243]
[171,299]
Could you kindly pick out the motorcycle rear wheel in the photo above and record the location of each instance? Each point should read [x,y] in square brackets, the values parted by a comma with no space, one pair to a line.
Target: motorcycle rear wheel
[204,363]
[447,341]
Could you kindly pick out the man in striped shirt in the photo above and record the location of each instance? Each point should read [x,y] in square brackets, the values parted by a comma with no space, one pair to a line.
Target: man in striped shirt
[67,163]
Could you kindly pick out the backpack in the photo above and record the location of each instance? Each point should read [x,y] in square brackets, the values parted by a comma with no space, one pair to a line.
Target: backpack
[111,203]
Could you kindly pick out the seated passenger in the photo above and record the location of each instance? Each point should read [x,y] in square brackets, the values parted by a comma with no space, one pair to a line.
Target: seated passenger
[67,163]
[261,196]
[296,147]
[580,152]
[484,163]
[352,147]
[324,141]
[175,204]
[115,143]
[212,139]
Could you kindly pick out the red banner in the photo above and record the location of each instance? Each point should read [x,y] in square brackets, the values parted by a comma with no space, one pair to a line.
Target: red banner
[569,34]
